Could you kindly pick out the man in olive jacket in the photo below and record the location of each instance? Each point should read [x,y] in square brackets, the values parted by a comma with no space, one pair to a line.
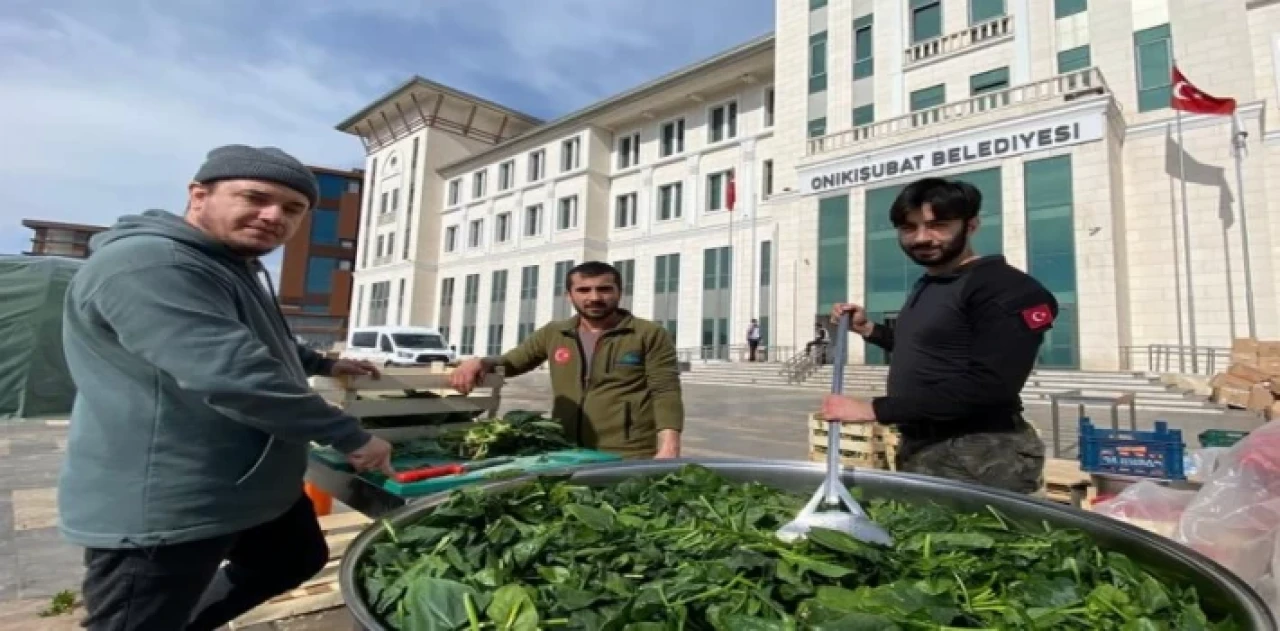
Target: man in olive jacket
[614,376]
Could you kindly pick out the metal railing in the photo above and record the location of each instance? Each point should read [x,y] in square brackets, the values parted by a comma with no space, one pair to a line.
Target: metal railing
[955,42]
[735,353]
[1067,87]
[387,217]
[1172,358]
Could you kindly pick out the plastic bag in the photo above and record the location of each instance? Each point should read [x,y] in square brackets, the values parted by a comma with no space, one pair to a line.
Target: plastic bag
[1235,516]
[1198,464]
[1148,505]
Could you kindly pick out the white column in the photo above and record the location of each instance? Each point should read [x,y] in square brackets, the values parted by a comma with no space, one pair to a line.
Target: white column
[1021,71]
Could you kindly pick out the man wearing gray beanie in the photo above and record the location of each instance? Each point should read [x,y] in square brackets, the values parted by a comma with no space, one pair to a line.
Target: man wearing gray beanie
[193,415]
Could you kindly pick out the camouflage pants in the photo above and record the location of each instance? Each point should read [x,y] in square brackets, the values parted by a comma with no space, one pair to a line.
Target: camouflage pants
[1013,461]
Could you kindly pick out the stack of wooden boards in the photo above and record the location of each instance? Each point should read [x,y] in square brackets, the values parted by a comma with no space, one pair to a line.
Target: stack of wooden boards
[875,446]
[1252,381]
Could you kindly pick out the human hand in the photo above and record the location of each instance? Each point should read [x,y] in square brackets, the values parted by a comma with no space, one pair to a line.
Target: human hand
[464,377]
[354,368]
[858,322]
[668,445]
[844,409]
[375,455]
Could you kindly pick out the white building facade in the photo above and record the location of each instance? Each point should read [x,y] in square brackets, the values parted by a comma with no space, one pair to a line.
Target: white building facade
[1057,110]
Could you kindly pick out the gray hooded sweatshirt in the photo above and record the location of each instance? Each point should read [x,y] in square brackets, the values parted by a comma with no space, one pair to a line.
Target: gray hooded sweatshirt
[193,415]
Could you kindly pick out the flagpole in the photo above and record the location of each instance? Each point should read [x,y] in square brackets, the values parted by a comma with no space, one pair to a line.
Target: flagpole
[1186,244]
[1238,142]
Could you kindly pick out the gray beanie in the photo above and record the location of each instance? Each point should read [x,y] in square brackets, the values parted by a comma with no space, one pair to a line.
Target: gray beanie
[240,162]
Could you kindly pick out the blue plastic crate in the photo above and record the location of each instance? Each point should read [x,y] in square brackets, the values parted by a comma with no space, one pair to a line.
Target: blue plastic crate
[1153,454]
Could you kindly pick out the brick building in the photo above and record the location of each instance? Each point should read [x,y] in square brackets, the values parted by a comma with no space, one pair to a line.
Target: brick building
[315,275]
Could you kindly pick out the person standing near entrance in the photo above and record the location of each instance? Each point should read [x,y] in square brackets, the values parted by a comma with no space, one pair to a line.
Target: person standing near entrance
[963,347]
[615,377]
[753,339]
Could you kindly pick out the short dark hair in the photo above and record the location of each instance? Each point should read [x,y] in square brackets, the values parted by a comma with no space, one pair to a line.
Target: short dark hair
[949,199]
[593,269]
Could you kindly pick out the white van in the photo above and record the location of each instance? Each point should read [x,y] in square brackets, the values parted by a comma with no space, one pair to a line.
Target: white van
[399,346]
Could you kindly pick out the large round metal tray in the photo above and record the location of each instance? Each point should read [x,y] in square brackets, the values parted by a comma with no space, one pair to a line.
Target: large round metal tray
[1219,589]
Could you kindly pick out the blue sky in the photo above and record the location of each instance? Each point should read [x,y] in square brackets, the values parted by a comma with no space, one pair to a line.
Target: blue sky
[109,105]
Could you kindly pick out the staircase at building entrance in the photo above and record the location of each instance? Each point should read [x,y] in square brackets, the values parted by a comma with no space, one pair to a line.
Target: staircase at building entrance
[1149,392]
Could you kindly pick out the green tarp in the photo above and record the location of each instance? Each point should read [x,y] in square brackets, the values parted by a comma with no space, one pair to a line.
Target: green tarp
[34,382]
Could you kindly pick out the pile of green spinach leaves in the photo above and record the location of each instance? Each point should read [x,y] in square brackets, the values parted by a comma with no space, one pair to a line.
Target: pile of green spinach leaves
[517,433]
[691,550]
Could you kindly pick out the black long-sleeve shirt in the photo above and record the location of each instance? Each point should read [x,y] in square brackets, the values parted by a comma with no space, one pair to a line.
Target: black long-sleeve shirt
[964,345]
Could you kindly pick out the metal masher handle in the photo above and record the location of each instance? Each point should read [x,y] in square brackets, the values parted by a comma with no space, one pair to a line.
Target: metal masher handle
[833,426]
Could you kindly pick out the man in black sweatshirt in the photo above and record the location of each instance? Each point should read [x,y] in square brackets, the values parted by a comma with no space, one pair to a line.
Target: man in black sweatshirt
[964,344]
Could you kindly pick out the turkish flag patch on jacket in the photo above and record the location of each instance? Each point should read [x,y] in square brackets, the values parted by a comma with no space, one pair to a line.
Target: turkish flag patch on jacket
[1038,317]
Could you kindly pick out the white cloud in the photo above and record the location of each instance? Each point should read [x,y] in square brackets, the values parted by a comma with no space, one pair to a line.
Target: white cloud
[109,107]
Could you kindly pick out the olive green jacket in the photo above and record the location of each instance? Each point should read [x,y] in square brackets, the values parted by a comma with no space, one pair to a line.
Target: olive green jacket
[631,393]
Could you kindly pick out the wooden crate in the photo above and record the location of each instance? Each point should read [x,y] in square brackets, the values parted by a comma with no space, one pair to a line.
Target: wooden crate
[1065,483]
[861,444]
[321,592]
[360,396]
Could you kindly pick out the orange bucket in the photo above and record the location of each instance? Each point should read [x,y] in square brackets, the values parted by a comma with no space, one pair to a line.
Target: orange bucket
[322,502]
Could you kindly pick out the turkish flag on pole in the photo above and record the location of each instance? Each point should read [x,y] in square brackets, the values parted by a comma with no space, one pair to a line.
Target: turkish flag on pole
[731,192]
[1188,98]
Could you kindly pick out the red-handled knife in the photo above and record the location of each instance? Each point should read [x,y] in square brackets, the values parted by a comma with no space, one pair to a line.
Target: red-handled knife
[438,471]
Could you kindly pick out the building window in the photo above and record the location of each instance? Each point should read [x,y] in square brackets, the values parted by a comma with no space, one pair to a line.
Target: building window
[346,244]
[926,20]
[386,203]
[863,49]
[331,186]
[470,298]
[817,62]
[670,201]
[766,291]
[768,107]
[666,293]
[989,81]
[818,127]
[320,271]
[766,178]
[391,244]
[1051,256]
[833,250]
[983,10]
[926,99]
[627,270]
[537,165]
[1074,59]
[817,4]
[533,220]
[672,137]
[445,317]
[400,304]
[724,122]
[527,322]
[717,278]
[324,227]
[382,240]
[567,213]
[395,199]
[477,184]
[864,115]
[625,211]
[502,228]
[345,265]
[1153,54]
[379,301]
[718,190]
[450,238]
[561,309]
[1067,8]
[570,151]
[506,175]
[353,186]
[474,233]
[629,150]
[455,191]
[497,312]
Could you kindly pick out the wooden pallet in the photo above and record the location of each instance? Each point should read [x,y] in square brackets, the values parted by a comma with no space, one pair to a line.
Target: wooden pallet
[1065,483]
[321,592]
[366,397]
[868,445]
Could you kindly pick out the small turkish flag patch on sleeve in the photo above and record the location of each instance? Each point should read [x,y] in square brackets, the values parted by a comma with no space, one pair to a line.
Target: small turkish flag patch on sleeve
[1038,317]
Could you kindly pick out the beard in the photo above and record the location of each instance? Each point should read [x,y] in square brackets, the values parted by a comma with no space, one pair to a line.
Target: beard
[595,310]
[946,253]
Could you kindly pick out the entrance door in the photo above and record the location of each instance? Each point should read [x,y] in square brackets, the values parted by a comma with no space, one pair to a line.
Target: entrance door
[1061,346]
